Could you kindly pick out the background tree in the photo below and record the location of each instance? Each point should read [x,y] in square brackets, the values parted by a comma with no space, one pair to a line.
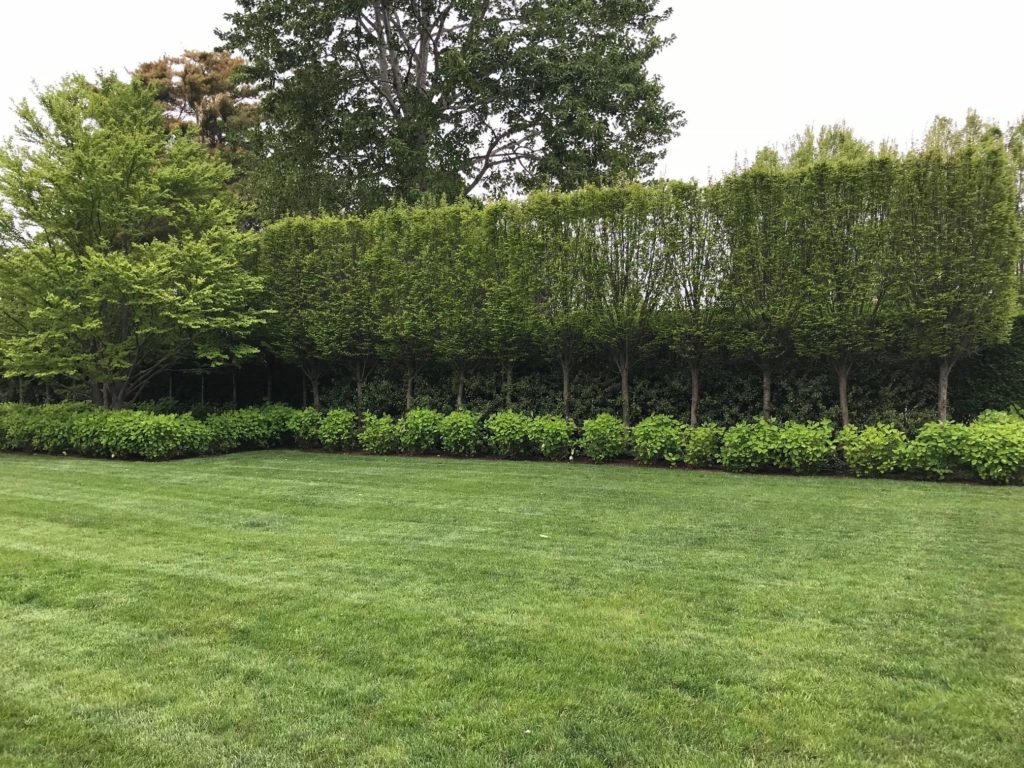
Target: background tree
[957,240]
[400,99]
[124,258]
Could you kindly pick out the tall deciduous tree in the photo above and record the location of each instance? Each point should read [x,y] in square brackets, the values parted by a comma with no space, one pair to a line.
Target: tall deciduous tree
[957,241]
[124,258]
[843,249]
[695,247]
[372,101]
[760,287]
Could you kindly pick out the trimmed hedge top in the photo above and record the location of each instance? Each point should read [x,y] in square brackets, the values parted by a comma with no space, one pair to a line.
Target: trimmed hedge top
[991,449]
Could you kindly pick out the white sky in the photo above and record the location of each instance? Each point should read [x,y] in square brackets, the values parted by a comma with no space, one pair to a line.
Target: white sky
[747,73]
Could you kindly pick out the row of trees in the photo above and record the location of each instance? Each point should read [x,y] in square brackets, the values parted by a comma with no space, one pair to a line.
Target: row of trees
[121,256]
[839,261]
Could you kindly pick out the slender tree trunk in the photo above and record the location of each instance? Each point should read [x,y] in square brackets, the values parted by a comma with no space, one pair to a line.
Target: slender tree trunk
[97,393]
[566,397]
[508,385]
[843,374]
[21,391]
[46,392]
[270,385]
[305,400]
[460,389]
[622,363]
[766,391]
[314,385]
[202,389]
[694,393]
[170,385]
[410,375]
[945,368]
[234,389]
[360,373]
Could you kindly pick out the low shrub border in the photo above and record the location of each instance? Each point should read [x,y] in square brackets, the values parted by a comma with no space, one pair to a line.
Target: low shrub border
[991,449]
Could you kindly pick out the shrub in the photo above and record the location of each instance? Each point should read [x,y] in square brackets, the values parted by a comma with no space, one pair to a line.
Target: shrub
[701,445]
[379,434]
[1011,416]
[419,431]
[551,436]
[874,450]
[304,427]
[752,446]
[250,428]
[46,428]
[140,435]
[807,447]
[604,438]
[995,451]
[935,451]
[658,438]
[508,433]
[461,433]
[338,430]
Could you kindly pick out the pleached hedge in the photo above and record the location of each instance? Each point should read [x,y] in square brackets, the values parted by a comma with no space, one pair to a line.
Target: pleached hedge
[990,449]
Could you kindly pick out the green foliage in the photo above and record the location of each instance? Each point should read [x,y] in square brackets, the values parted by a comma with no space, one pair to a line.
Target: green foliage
[419,431]
[462,433]
[873,450]
[125,260]
[936,449]
[250,428]
[508,434]
[551,437]
[304,427]
[605,438]
[338,430]
[658,438]
[995,451]
[702,445]
[807,447]
[752,446]
[408,95]
[379,434]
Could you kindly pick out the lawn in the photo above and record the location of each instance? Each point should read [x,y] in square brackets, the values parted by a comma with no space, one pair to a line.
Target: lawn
[291,609]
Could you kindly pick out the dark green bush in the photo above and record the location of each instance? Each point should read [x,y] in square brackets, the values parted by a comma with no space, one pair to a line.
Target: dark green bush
[752,446]
[809,447]
[462,433]
[702,445]
[508,434]
[551,436]
[605,438]
[658,438]
[936,449]
[995,451]
[140,435]
[379,434]
[419,431]
[338,430]
[873,450]
[304,427]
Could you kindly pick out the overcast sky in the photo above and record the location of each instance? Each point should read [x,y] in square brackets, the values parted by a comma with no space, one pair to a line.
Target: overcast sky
[747,73]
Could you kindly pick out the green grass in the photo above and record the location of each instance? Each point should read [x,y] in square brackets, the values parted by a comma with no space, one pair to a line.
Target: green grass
[287,609]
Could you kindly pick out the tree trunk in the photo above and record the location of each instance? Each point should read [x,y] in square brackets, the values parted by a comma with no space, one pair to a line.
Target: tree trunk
[566,400]
[694,392]
[622,362]
[170,385]
[305,400]
[843,373]
[508,386]
[234,389]
[97,393]
[21,391]
[945,368]
[360,373]
[270,385]
[314,385]
[410,374]
[202,389]
[766,392]
[460,388]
